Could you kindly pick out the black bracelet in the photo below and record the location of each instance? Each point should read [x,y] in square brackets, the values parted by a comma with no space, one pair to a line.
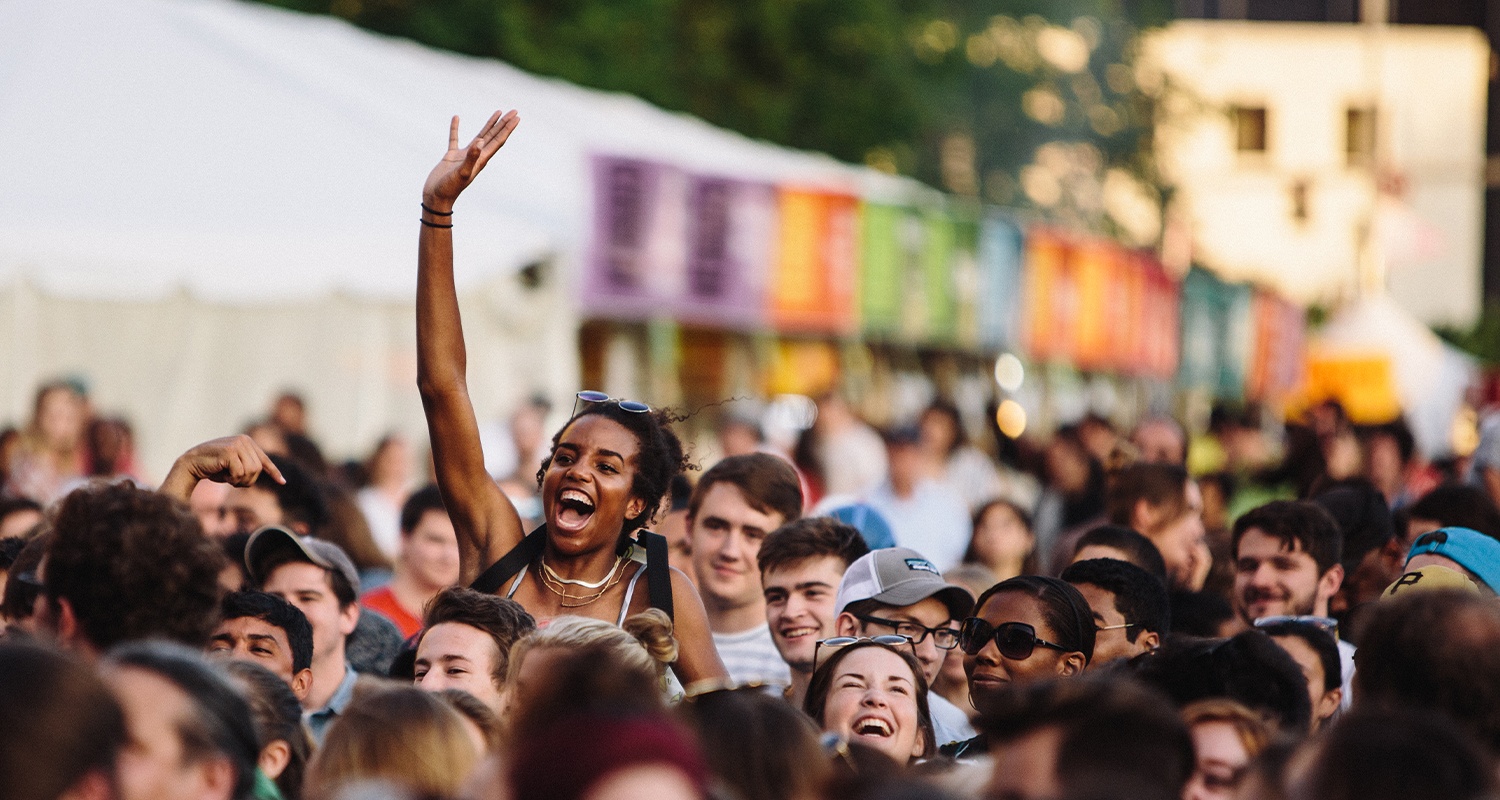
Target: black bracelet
[436,225]
[435,212]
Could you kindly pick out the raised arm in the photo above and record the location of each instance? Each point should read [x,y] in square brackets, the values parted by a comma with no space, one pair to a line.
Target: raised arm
[484,518]
[235,460]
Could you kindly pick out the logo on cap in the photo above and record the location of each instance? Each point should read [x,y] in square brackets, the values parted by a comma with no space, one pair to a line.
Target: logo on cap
[921,564]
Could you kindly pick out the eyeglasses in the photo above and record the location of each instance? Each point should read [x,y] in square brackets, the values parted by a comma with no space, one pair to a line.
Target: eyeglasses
[1328,625]
[1015,640]
[1114,627]
[945,638]
[594,398]
[834,643]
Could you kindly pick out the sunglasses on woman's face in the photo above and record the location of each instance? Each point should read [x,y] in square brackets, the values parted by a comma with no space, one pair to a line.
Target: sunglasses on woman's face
[1015,640]
[593,398]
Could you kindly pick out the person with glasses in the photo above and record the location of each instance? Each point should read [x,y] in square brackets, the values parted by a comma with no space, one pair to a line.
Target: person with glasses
[1025,629]
[897,591]
[602,481]
[1130,608]
[872,692]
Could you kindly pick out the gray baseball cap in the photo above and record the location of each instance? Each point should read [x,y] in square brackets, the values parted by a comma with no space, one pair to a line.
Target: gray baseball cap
[900,576]
[273,539]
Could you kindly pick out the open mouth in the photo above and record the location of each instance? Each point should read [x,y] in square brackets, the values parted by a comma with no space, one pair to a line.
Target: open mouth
[873,727]
[798,633]
[573,509]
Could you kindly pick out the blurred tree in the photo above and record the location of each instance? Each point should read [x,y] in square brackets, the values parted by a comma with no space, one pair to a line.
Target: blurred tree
[1020,102]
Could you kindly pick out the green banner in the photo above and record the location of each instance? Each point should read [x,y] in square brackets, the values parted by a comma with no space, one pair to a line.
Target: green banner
[882,269]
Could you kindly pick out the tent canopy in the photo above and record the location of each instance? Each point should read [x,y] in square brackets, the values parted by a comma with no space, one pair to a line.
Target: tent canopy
[248,154]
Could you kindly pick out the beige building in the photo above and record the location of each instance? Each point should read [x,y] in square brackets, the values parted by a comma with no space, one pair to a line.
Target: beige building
[1323,158]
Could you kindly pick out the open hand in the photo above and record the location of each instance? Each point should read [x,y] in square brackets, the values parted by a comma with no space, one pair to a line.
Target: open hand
[460,164]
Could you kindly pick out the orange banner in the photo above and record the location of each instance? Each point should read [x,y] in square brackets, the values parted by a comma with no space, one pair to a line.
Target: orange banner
[813,287]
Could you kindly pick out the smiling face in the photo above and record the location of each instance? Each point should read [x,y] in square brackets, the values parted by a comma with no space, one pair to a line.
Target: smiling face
[800,607]
[725,537]
[990,672]
[1272,579]
[587,487]
[872,700]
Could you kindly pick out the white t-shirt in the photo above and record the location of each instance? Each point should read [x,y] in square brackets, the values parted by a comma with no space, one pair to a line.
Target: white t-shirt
[751,657]
[949,722]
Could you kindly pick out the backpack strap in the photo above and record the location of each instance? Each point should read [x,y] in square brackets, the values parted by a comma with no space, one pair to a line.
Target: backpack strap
[511,563]
[658,571]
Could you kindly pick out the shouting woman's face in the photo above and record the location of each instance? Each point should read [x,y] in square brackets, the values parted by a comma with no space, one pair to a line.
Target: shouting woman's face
[587,488]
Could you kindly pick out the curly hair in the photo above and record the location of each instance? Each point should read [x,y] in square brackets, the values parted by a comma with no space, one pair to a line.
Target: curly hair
[661,455]
[132,564]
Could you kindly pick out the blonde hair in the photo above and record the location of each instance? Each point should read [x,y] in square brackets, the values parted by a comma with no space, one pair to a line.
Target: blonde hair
[644,641]
[1254,729]
[394,733]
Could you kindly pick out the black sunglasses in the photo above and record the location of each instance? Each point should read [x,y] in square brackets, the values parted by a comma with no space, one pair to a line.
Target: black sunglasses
[595,398]
[944,637]
[1015,640]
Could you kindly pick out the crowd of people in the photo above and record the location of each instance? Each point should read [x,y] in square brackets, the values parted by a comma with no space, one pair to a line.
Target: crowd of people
[898,613]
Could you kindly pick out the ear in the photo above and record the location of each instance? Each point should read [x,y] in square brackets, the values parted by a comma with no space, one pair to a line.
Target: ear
[634,506]
[1148,641]
[274,758]
[302,684]
[64,621]
[216,776]
[1328,703]
[1329,584]
[919,745]
[1071,665]
[1143,516]
[846,625]
[348,619]
[300,528]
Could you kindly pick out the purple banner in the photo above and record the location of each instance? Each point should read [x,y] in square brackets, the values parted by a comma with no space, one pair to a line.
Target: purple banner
[666,243]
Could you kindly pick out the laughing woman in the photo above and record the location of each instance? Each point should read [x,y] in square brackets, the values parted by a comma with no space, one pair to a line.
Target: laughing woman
[601,483]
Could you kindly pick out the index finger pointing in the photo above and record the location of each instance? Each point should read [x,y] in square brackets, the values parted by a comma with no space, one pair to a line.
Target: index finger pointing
[269,467]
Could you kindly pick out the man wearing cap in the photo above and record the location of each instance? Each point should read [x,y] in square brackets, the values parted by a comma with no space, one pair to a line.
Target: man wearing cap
[319,579]
[897,590]
[1463,550]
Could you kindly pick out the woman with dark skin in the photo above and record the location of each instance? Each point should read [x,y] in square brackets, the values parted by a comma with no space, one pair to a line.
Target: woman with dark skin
[593,484]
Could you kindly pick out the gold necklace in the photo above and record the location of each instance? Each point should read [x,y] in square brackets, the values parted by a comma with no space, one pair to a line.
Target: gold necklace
[585,584]
[581,600]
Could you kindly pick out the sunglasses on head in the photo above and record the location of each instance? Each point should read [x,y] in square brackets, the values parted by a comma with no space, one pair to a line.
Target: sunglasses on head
[1328,625]
[1015,640]
[594,398]
[825,647]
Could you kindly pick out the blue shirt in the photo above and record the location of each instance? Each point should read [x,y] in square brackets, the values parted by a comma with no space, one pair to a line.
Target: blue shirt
[318,721]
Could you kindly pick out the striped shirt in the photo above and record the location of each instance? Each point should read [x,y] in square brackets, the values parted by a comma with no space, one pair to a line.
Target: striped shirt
[751,657]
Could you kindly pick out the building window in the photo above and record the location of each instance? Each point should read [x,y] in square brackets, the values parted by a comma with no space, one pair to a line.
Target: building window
[1249,128]
[1359,136]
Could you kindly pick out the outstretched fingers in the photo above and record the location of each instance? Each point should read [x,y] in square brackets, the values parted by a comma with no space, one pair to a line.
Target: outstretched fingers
[453,133]
[493,137]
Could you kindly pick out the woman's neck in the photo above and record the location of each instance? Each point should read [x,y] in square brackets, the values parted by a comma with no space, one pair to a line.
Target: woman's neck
[588,566]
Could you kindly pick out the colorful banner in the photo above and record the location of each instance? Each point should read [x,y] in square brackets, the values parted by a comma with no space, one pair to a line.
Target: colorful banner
[1051,297]
[1094,267]
[813,287]
[939,244]
[882,272]
[1001,244]
[1215,335]
[671,244]
[1275,368]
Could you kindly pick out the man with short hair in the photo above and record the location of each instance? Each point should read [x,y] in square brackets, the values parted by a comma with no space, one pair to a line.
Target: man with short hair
[124,564]
[191,736]
[896,590]
[1317,653]
[265,629]
[736,504]
[466,641]
[1286,563]
[1131,610]
[297,504]
[426,562]
[802,564]
[320,580]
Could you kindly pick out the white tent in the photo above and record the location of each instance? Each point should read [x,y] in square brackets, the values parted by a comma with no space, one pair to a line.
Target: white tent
[1430,376]
[202,201]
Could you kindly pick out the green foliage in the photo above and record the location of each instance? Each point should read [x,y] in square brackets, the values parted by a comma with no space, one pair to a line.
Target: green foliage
[959,93]
[1482,340]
